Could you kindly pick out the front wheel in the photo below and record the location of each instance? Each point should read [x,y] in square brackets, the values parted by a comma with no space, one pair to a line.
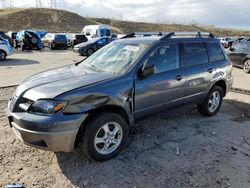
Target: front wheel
[246,66]
[90,52]
[22,46]
[105,136]
[2,55]
[212,103]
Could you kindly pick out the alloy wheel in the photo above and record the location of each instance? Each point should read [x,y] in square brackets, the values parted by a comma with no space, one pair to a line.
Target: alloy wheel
[214,101]
[108,138]
[246,66]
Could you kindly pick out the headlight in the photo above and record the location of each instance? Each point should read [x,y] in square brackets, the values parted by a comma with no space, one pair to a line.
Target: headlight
[47,106]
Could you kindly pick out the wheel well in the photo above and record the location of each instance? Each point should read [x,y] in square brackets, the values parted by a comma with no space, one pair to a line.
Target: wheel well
[93,113]
[222,84]
[246,60]
[4,52]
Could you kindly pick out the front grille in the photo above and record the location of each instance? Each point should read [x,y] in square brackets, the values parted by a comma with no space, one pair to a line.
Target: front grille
[15,104]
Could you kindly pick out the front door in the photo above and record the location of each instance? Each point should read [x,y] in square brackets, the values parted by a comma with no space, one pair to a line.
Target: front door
[164,88]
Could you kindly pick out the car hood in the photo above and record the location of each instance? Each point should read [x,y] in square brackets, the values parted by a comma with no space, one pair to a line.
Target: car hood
[49,84]
[82,44]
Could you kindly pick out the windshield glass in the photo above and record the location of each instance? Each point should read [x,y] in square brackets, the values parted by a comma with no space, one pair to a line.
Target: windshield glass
[61,37]
[115,58]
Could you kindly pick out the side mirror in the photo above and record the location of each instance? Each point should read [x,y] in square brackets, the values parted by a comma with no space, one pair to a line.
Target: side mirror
[147,71]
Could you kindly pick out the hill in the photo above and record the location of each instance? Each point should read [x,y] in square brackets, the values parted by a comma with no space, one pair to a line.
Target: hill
[43,19]
[54,20]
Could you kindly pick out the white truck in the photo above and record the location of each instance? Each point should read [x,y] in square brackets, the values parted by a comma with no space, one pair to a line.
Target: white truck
[92,31]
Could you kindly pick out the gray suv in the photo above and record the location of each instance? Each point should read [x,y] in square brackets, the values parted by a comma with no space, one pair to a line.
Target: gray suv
[99,98]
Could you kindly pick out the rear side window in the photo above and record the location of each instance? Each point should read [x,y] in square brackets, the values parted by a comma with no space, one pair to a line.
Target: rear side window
[215,53]
[195,54]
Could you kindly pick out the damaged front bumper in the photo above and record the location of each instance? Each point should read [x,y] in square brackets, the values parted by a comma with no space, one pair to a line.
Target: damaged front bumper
[54,133]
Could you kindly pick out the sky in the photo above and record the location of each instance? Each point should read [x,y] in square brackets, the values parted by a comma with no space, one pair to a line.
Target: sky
[226,13]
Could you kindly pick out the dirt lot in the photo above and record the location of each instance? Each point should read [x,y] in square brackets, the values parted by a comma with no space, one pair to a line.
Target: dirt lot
[214,152]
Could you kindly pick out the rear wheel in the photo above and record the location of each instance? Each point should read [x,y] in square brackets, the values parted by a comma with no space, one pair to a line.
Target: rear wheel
[105,136]
[246,66]
[22,46]
[2,55]
[212,103]
[90,52]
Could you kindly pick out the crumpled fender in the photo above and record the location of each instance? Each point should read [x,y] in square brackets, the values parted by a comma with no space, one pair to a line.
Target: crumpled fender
[118,93]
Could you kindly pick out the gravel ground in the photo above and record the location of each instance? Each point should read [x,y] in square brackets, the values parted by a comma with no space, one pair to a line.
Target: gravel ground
[213,152]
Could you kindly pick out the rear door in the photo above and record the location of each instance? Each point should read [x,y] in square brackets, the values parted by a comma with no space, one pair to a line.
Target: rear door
[164,88]
[198,71]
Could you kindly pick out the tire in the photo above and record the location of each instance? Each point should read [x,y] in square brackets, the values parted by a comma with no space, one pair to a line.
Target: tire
[212,103]
[246,66]
[15,45]
[99,142]
[90,51]
[51,46]
[22,46]
[2,55]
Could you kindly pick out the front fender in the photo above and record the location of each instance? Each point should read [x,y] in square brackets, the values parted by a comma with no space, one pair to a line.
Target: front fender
[117,93]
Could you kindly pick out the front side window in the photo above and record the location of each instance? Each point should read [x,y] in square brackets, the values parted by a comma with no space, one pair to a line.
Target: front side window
[114,58]
[165,58]
[215,52]
[195,54]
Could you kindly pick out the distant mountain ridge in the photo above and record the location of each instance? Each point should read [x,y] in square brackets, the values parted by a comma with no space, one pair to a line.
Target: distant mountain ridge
[55,20]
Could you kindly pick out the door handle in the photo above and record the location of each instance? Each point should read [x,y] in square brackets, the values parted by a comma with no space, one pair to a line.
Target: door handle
[210,70]
[179,77]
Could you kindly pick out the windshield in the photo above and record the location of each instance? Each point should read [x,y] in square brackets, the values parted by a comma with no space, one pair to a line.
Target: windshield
[61,37]
[115,58]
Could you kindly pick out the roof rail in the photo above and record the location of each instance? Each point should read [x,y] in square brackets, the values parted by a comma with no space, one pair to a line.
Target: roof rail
[143,34]
[196,34]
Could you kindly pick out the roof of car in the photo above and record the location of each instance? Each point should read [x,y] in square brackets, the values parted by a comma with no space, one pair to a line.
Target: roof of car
[151,39]
[140,39]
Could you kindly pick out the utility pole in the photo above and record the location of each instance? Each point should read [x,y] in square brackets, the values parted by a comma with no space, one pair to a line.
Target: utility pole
[3,3]
[52,4]
[6,3]
[39,3]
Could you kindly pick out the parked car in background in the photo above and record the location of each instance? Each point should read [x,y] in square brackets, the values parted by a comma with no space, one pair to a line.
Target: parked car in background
[224,42]
[28,39]
[5,36]
[92,45]
[5,48]
[42,33]
[55,41]
[12,36]
[74,39]
[233,44]
[240,56]
[99,98]
[93,31]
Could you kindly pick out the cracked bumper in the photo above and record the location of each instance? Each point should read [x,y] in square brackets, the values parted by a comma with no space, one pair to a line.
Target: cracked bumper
[54,133]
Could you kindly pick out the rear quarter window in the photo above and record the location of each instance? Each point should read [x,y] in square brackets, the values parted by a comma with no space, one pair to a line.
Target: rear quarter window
[215,52]
[195,54]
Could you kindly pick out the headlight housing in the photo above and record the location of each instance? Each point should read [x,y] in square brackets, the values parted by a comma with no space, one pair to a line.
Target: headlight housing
[47,106]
